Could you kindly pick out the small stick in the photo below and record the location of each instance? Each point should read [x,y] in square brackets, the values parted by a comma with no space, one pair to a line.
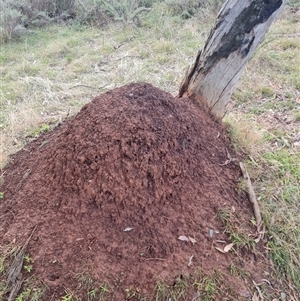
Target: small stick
[190,260]
[230,159]
[252,197]
[196,297]
[16,288]
[2,174]
[14,279]
[259,291]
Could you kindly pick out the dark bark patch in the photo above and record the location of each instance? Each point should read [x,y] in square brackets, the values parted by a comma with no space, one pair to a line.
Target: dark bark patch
[256,13]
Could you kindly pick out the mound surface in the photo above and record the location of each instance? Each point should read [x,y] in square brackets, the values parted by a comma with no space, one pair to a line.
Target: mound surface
[113,188]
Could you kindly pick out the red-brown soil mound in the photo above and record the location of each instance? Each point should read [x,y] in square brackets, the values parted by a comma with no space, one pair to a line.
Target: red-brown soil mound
[134,157]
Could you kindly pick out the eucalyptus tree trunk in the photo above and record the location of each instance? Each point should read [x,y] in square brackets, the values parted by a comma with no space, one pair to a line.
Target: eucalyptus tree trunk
[239,29]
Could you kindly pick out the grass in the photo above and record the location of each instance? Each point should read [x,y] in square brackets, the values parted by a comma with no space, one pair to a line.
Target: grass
[206,287]
[235,228]
[274,165]
[268,95]
[51,73]
[281,202]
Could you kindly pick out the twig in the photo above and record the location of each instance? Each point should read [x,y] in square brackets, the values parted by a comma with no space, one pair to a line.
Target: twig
[190,260]
[15,288]
[229,158]
[252,159]
[252,197]
[123,42]
[297,34]
[196,297]
[14,278]
[259,291]
[2,174]
[129,56]
[86,86]
[26,174]
[267,281]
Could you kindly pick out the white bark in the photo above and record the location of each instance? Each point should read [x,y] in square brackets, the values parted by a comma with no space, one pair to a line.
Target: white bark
[240,27]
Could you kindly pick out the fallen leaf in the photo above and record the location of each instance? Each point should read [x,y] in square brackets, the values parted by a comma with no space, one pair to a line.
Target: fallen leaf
[283,296]
[192,240]
[220,250]
[127,229]
[183,238]
[228,247]
[211,232]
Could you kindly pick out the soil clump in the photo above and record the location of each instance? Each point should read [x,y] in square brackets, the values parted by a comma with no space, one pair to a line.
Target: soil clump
[111,190]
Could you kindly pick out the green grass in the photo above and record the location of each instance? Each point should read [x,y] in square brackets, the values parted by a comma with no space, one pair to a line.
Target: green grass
[236,229]
[268,96]
[275,67]
[275,170]
[207,287]
[264,124]
[51,73]
[281,202]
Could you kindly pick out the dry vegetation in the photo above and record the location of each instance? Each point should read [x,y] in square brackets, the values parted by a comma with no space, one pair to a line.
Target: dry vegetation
[49,73]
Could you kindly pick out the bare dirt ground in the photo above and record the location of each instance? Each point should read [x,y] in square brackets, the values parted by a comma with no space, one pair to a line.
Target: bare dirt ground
[112,189]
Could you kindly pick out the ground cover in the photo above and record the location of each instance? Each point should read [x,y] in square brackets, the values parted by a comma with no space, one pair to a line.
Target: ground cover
[49,75]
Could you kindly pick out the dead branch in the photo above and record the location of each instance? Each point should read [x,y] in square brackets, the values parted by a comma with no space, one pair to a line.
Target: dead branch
[14,278]
[252,198]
